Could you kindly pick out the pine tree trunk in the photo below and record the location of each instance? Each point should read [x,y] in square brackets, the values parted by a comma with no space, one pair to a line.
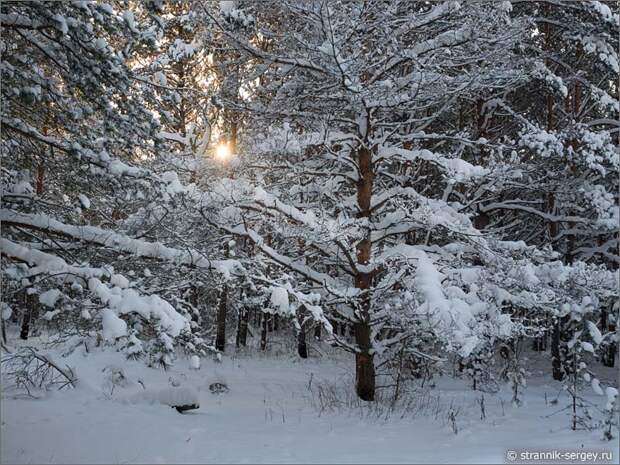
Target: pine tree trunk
[2,322]
[242,335]
[302,347]
[40,178]
[263,333]
[364,360]
[25,329]
[222,311]
[317,332]
[30,301]
[233,134]
[334,327]
[193,300]
[556,359]
[539,344]
[41,169]
[609,358]
[238,335]
[220,340]
[364,364]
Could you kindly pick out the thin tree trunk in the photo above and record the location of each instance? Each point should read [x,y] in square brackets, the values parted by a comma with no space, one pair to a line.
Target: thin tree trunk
[233,134]
[263,333]
[220,340]
[3,324]
[25,329]
[364,363]
[612,350]
[317,332]
[222,311]
[556,359]
[539,344]
[40,178]
[302,347]
[193,299]
[238,336]
[30,300]
[242,335]
[41,168]
[334,326]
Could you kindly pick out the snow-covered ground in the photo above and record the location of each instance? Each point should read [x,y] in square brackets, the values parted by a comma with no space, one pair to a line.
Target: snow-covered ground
[272,413]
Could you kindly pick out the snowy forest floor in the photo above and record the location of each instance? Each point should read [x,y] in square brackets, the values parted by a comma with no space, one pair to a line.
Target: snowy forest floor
[279,409]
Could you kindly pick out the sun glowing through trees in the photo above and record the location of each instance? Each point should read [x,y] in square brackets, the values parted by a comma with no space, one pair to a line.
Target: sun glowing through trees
[222,152]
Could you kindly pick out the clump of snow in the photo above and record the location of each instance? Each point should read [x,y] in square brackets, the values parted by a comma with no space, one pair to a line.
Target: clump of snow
[107,8]
[84,201]
[21,187]
[180,49]
[194,362]
[101,44]
[279,299]
[596,386]
[597,337]
[541,142]
[611,393]
[130,20]
[120,281]
[595,45]
[587,347]
[177,396]
[173,184]
[113,326]
[7,311]
[226,5]
[457,168]
[50,315]
[151,307]
[49,298]
[61,23]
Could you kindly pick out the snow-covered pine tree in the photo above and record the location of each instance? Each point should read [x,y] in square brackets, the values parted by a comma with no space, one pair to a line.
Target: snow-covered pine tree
[371,206]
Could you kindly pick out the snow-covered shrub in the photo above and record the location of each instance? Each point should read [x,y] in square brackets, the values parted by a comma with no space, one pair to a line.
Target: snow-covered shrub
[34,372]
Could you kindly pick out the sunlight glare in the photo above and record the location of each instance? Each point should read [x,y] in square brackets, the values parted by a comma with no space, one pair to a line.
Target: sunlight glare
[222,151]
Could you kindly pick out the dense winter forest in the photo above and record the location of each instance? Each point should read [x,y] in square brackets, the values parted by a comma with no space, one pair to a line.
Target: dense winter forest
[323,231]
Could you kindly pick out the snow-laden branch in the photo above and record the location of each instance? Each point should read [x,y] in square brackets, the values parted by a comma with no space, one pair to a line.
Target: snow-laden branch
[330,284]
[547,216]
[120,300]
[45,263]
[460,170]
[117,241]
[19,21]
[103,160]
[269,57]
